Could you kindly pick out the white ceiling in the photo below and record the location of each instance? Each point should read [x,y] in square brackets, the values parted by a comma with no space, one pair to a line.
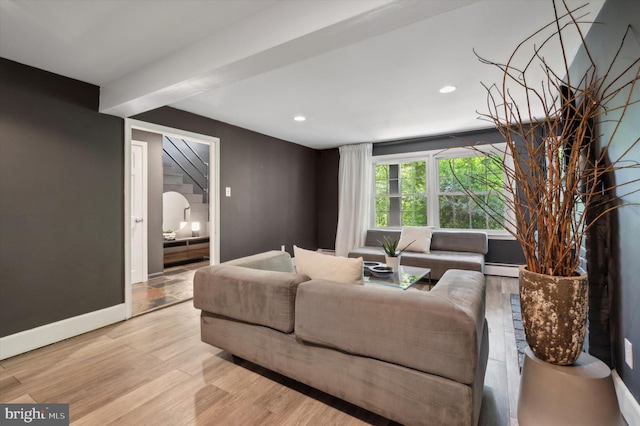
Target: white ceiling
[359,70]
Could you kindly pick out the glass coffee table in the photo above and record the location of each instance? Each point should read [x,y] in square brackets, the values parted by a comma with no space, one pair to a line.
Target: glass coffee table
[405,277]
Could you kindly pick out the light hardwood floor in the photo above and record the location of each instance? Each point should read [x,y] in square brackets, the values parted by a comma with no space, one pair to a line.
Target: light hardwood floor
[154,370]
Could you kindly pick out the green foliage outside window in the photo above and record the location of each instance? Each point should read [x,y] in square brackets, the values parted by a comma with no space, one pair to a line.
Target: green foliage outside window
[413,177]
[414,211]
[382,212]
[382,195]
[479,174]
[382,179]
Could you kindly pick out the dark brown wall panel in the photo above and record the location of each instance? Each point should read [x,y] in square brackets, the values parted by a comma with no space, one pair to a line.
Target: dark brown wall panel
[61,200]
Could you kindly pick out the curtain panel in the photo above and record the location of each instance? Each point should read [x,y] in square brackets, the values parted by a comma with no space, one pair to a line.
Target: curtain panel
[354,196]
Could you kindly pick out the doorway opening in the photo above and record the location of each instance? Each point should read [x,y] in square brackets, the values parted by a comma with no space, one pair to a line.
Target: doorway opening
[173,250]
[185,224]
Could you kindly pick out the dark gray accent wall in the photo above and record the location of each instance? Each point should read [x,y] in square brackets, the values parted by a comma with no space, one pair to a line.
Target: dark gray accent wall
[154,199]
[328,164]
[273,186]
[603,41]
[61,200]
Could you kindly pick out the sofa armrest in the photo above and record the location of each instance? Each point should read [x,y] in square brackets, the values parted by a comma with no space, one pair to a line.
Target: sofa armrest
[250,295]
[415,329]
[273,260]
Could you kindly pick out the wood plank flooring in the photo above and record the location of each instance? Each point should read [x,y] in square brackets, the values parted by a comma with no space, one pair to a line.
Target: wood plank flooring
[154,370]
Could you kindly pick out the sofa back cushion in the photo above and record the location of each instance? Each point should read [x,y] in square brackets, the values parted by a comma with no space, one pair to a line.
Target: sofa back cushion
[374,236]
[441,240]
[436,332]
[251,295]
[469,241]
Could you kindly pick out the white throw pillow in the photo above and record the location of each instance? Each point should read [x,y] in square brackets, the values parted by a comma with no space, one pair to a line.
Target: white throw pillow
[421,235]
[321,266]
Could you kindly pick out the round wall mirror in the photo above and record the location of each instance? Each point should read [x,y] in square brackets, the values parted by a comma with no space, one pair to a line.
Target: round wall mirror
[176,211]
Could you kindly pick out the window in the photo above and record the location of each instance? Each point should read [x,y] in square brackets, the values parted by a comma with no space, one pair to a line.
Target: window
[401,194]
[422,189]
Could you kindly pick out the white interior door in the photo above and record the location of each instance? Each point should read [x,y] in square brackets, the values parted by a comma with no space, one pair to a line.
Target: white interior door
[139,267]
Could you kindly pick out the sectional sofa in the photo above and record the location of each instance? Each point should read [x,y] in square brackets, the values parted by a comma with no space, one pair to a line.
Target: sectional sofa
[415,357]
[448,250]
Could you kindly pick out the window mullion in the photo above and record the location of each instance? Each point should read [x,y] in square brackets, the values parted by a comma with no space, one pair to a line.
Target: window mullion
[433,185]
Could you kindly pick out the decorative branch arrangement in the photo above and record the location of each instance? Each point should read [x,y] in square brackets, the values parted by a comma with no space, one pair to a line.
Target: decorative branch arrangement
[560,167]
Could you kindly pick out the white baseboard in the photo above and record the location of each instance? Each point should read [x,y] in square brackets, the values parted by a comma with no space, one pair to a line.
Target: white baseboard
[502,270]
[629,407]
[38,337]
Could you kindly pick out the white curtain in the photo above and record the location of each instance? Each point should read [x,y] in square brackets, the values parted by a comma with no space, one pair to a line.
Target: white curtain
[354,196]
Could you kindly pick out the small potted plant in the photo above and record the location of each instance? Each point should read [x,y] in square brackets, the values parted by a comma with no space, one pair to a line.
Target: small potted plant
[391,251]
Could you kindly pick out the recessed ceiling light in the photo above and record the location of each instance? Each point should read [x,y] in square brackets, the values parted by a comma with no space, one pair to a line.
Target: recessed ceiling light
[447,89]
[300,118]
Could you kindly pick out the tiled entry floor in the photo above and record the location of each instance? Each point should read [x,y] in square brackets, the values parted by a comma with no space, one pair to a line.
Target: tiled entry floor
[175,286]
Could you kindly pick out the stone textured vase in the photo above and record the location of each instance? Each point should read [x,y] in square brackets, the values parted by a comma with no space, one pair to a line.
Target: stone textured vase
[554,315]
[393,262]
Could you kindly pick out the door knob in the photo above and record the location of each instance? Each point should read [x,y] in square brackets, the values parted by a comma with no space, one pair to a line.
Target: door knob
[139,219]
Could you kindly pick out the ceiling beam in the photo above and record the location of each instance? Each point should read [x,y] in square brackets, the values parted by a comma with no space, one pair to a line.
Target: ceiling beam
[283,34]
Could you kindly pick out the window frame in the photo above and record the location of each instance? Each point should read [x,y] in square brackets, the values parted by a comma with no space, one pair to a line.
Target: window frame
[400,195]
[433,184]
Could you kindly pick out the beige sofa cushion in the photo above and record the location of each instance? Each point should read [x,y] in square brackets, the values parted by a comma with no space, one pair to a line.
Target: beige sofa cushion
[321,266]
[251,295]
[416,238]
[438,332]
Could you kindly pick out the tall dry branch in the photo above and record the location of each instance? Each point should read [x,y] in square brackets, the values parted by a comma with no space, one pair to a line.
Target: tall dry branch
[556,174]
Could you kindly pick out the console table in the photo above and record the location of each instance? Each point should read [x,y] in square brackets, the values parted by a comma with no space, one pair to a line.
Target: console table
[186,250]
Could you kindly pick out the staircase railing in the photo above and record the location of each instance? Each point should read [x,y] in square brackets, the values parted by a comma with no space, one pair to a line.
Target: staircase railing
[205,174]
